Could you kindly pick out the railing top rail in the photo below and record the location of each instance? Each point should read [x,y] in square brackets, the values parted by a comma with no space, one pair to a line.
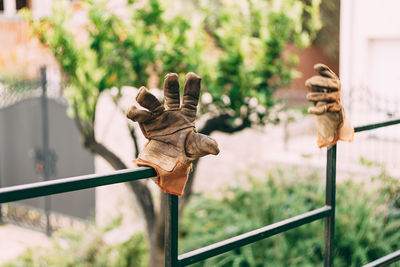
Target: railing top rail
[25,191]
[376,125]
[386,260]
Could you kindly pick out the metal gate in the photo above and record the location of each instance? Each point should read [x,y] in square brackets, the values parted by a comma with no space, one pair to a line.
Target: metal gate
[38,142]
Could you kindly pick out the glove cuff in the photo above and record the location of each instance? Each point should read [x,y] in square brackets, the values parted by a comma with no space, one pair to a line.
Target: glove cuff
[171,182]
[344,132]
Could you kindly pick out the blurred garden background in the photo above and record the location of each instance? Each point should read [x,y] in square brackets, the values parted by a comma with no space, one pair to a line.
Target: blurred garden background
[69,70]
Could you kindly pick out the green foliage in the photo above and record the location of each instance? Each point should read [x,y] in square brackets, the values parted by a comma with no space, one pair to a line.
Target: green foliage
[16,85]
[108,51]
[366,162]
[251,37]
[238,47]
[366,226]
[86,248]
[389,193]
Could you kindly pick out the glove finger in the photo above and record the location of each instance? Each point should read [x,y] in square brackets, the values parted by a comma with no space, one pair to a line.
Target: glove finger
[322,107]
[325,71]
[191,94]
[320,84]
[138,115]
[198,145]
[334,107]
[317,109]
[149,101]
[327,97]
[171,91]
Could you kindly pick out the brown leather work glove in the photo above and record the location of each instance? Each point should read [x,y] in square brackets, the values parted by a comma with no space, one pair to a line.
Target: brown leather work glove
[173,141]
[331,119]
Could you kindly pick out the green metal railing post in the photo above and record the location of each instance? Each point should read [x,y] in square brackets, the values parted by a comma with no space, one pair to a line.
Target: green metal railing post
[330,199]
[171,232]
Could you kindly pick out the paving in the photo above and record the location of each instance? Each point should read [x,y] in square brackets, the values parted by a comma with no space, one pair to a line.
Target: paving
[14,240]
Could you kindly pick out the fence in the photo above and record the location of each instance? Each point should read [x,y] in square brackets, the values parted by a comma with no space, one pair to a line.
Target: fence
[366,105]
[45,145]
[172,259]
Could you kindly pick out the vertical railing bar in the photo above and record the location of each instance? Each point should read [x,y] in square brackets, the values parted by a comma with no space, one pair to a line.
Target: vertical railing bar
[45,144]
[1,209]
[1,184]
[171,232]
[330,200]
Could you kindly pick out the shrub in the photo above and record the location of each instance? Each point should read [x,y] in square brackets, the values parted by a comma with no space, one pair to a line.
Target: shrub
[365,229]
[86,248]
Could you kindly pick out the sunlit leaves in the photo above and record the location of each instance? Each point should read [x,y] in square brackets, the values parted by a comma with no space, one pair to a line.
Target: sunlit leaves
[236,46]
[252,37]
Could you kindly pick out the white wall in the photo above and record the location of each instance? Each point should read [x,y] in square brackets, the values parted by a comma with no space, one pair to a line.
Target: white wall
[369,57]
[9,8]
[41,8]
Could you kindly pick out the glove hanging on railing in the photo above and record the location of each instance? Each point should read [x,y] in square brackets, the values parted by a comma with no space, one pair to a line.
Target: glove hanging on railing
[173,141]
[331,119]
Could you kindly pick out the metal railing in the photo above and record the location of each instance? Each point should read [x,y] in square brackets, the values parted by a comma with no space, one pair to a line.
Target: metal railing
[172,259]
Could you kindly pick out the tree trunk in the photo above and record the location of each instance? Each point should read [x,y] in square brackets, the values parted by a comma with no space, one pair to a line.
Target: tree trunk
[156,252]
[187,193]
[144,198]
[157,258]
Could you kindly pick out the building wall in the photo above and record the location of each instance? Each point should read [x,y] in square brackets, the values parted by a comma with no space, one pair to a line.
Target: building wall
[295,94]
[370,52]
[369,57]
[20,55]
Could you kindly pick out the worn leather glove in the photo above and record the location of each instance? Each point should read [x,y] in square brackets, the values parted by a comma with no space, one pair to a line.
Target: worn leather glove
[173,141]
[331,119]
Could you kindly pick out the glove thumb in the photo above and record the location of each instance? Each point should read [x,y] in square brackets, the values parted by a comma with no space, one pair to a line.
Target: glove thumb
[198,145]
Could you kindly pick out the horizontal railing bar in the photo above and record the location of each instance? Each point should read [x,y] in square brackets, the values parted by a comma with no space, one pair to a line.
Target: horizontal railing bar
[20,192]
[252,236]
[375,125]
[386,260]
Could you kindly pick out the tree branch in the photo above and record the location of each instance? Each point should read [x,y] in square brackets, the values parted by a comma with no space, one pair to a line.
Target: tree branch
[160,221]
[134,138]
[221,123]
[78,122]
[141,191]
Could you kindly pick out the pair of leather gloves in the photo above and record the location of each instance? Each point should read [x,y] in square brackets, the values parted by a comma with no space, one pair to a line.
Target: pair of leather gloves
[174,143]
